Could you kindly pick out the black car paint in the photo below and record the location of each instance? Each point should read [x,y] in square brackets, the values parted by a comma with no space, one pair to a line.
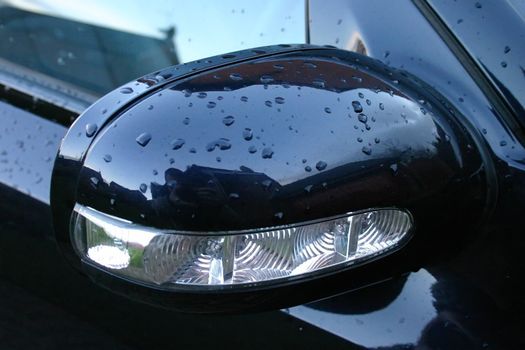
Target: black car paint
[306,131]
[493,34]
[484,308]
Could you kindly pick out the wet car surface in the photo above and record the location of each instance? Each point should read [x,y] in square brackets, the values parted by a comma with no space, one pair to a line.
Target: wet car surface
[470,295]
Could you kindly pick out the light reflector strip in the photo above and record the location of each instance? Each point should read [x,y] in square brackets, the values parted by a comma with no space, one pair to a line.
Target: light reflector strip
[169,259]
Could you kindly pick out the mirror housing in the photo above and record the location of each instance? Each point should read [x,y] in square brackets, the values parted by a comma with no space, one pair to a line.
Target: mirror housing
[272,138]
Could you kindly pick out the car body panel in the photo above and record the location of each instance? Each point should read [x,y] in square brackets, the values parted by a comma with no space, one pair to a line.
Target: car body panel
[471,300]
[28,148]
[493,34]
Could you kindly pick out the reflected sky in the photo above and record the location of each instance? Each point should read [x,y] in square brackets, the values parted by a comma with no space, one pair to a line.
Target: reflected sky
[28,145]
[202,28]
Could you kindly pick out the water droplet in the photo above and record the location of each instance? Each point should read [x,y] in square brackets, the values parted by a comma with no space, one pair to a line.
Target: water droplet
[377,140]
[478,5]
[459,21]
[368,102]
[107,158]
[279,100]
[504,64]
[91,129]
[244,99]
[381,106]
[320,165]
[61,61]
[126,90]
[506,49]
[267,153]
[229,120]
[359,139]
[150,107]
[235,76]
[484,131]
[186,121]
[252,149]
[177,143]
[155,172]
[308,168]
[143,139]
[222,143]
[279,215]
[143,188]
[310,65]
[266,79]
[247,134]
[362,118]
[187,93]
[320,83]
[361,95]
[202,95]
[308,188]
[327,110]
[387,53]
[358,79]
[234,195]
[503,143]
[366,150]
[268,103]
[357,106]
[211,104]
[193,150]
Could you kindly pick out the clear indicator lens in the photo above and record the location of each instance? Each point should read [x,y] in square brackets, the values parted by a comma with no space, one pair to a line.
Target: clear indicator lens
[169,258]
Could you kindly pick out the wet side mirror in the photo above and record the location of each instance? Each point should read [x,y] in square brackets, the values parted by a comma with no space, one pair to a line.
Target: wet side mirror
[264,178]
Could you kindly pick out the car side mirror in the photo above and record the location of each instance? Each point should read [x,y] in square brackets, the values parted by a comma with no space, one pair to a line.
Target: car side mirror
[264,178]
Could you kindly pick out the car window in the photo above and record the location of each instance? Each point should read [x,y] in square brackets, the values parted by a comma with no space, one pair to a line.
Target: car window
[95,46]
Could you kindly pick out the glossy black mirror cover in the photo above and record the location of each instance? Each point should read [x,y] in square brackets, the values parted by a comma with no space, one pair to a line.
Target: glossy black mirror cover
[270,137]
[276,140]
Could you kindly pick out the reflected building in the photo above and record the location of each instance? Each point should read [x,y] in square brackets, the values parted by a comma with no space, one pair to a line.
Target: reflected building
[90,58]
